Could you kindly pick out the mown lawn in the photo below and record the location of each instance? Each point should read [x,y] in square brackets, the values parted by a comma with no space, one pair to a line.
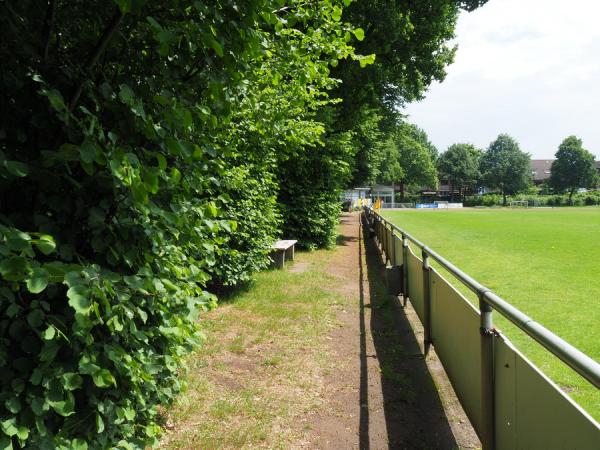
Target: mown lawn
[546,262]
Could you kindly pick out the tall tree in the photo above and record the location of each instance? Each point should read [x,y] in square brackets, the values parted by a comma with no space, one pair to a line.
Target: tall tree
[505,167]
[408,159]
[573,168]
[410,43]
[460,166]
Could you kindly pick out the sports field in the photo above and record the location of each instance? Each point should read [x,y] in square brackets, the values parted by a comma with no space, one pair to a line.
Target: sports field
[546,262]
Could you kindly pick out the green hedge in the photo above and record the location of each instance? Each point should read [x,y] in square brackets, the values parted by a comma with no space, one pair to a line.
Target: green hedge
[579,199]
[139,148]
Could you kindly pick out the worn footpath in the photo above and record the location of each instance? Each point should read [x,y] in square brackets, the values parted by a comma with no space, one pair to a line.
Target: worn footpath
[338,367]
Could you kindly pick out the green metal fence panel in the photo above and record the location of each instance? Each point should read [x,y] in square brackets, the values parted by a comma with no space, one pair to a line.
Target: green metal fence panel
[415,284]
[397,250]
[389,251]
[456,339]
[531,412]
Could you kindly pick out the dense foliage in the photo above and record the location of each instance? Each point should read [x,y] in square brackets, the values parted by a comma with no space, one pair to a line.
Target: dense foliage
[140,158]
[409,159]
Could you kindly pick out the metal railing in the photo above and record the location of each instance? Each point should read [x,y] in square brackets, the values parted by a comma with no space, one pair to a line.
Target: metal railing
[488,302]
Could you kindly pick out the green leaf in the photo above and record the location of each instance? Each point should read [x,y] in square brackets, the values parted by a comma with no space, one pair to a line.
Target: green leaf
[87,151]
[13,404]
[162,162]
[39,406]
[99,423]
[45,244]
[103,378]
[12,310]
[175,175]
[151,181]
[336,14]
[23,433]
[64,407]
[35,318]
[49,351]
[80,298]
[140,194]
[12,268]
[56,99]
[5,443]
[49,333]
[71,381]
[38,280]
[126,94]
[17,168]
[211,42]
[9,426]
[359,33]
[211,210]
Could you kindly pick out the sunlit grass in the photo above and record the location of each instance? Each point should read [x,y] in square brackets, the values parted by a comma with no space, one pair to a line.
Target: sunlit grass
[546,262]
[258,369]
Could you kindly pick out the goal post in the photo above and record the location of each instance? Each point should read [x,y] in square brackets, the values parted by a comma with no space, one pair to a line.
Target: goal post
[519,204]
[441,204]
[405,205]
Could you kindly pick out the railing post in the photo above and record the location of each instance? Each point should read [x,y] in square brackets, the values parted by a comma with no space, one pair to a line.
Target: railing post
[385,244]
[487,332]
[426,302]
[404,268]
[393,261]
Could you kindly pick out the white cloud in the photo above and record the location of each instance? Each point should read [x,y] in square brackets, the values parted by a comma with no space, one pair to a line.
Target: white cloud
[529,68]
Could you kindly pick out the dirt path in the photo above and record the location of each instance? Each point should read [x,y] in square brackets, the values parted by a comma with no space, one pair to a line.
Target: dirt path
[316,356]
[380,392]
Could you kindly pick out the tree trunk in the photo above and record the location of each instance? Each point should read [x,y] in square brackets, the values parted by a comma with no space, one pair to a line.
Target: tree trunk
[503,197]
[571,192]
[401,191]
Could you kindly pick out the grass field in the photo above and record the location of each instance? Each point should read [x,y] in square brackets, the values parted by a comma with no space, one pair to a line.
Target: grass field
[546,262]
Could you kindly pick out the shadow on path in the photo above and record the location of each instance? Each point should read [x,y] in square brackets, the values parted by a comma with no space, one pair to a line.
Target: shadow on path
[414,416]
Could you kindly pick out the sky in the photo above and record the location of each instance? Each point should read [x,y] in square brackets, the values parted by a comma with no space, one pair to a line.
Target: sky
[529,68]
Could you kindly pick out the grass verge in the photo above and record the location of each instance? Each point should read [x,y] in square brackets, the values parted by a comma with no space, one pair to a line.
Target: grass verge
[259,372]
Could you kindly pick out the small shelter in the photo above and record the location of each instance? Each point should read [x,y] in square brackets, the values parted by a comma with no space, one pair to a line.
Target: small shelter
[385,193]
[357,196]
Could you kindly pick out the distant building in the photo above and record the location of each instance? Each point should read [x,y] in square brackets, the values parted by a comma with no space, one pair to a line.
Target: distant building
[541,169]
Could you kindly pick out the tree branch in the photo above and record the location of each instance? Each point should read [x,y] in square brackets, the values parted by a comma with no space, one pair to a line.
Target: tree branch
[48,27]
[109,32]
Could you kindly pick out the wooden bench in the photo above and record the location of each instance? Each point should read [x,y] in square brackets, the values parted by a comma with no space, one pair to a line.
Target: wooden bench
[282,250]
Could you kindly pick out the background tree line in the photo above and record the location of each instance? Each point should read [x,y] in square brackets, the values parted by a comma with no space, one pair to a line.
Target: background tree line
[150,153]
[503,167]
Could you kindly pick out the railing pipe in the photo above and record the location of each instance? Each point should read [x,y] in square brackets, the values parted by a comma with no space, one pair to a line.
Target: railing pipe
[574,358]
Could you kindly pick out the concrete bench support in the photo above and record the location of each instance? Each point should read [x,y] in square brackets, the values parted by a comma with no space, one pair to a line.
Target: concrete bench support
[282,251]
